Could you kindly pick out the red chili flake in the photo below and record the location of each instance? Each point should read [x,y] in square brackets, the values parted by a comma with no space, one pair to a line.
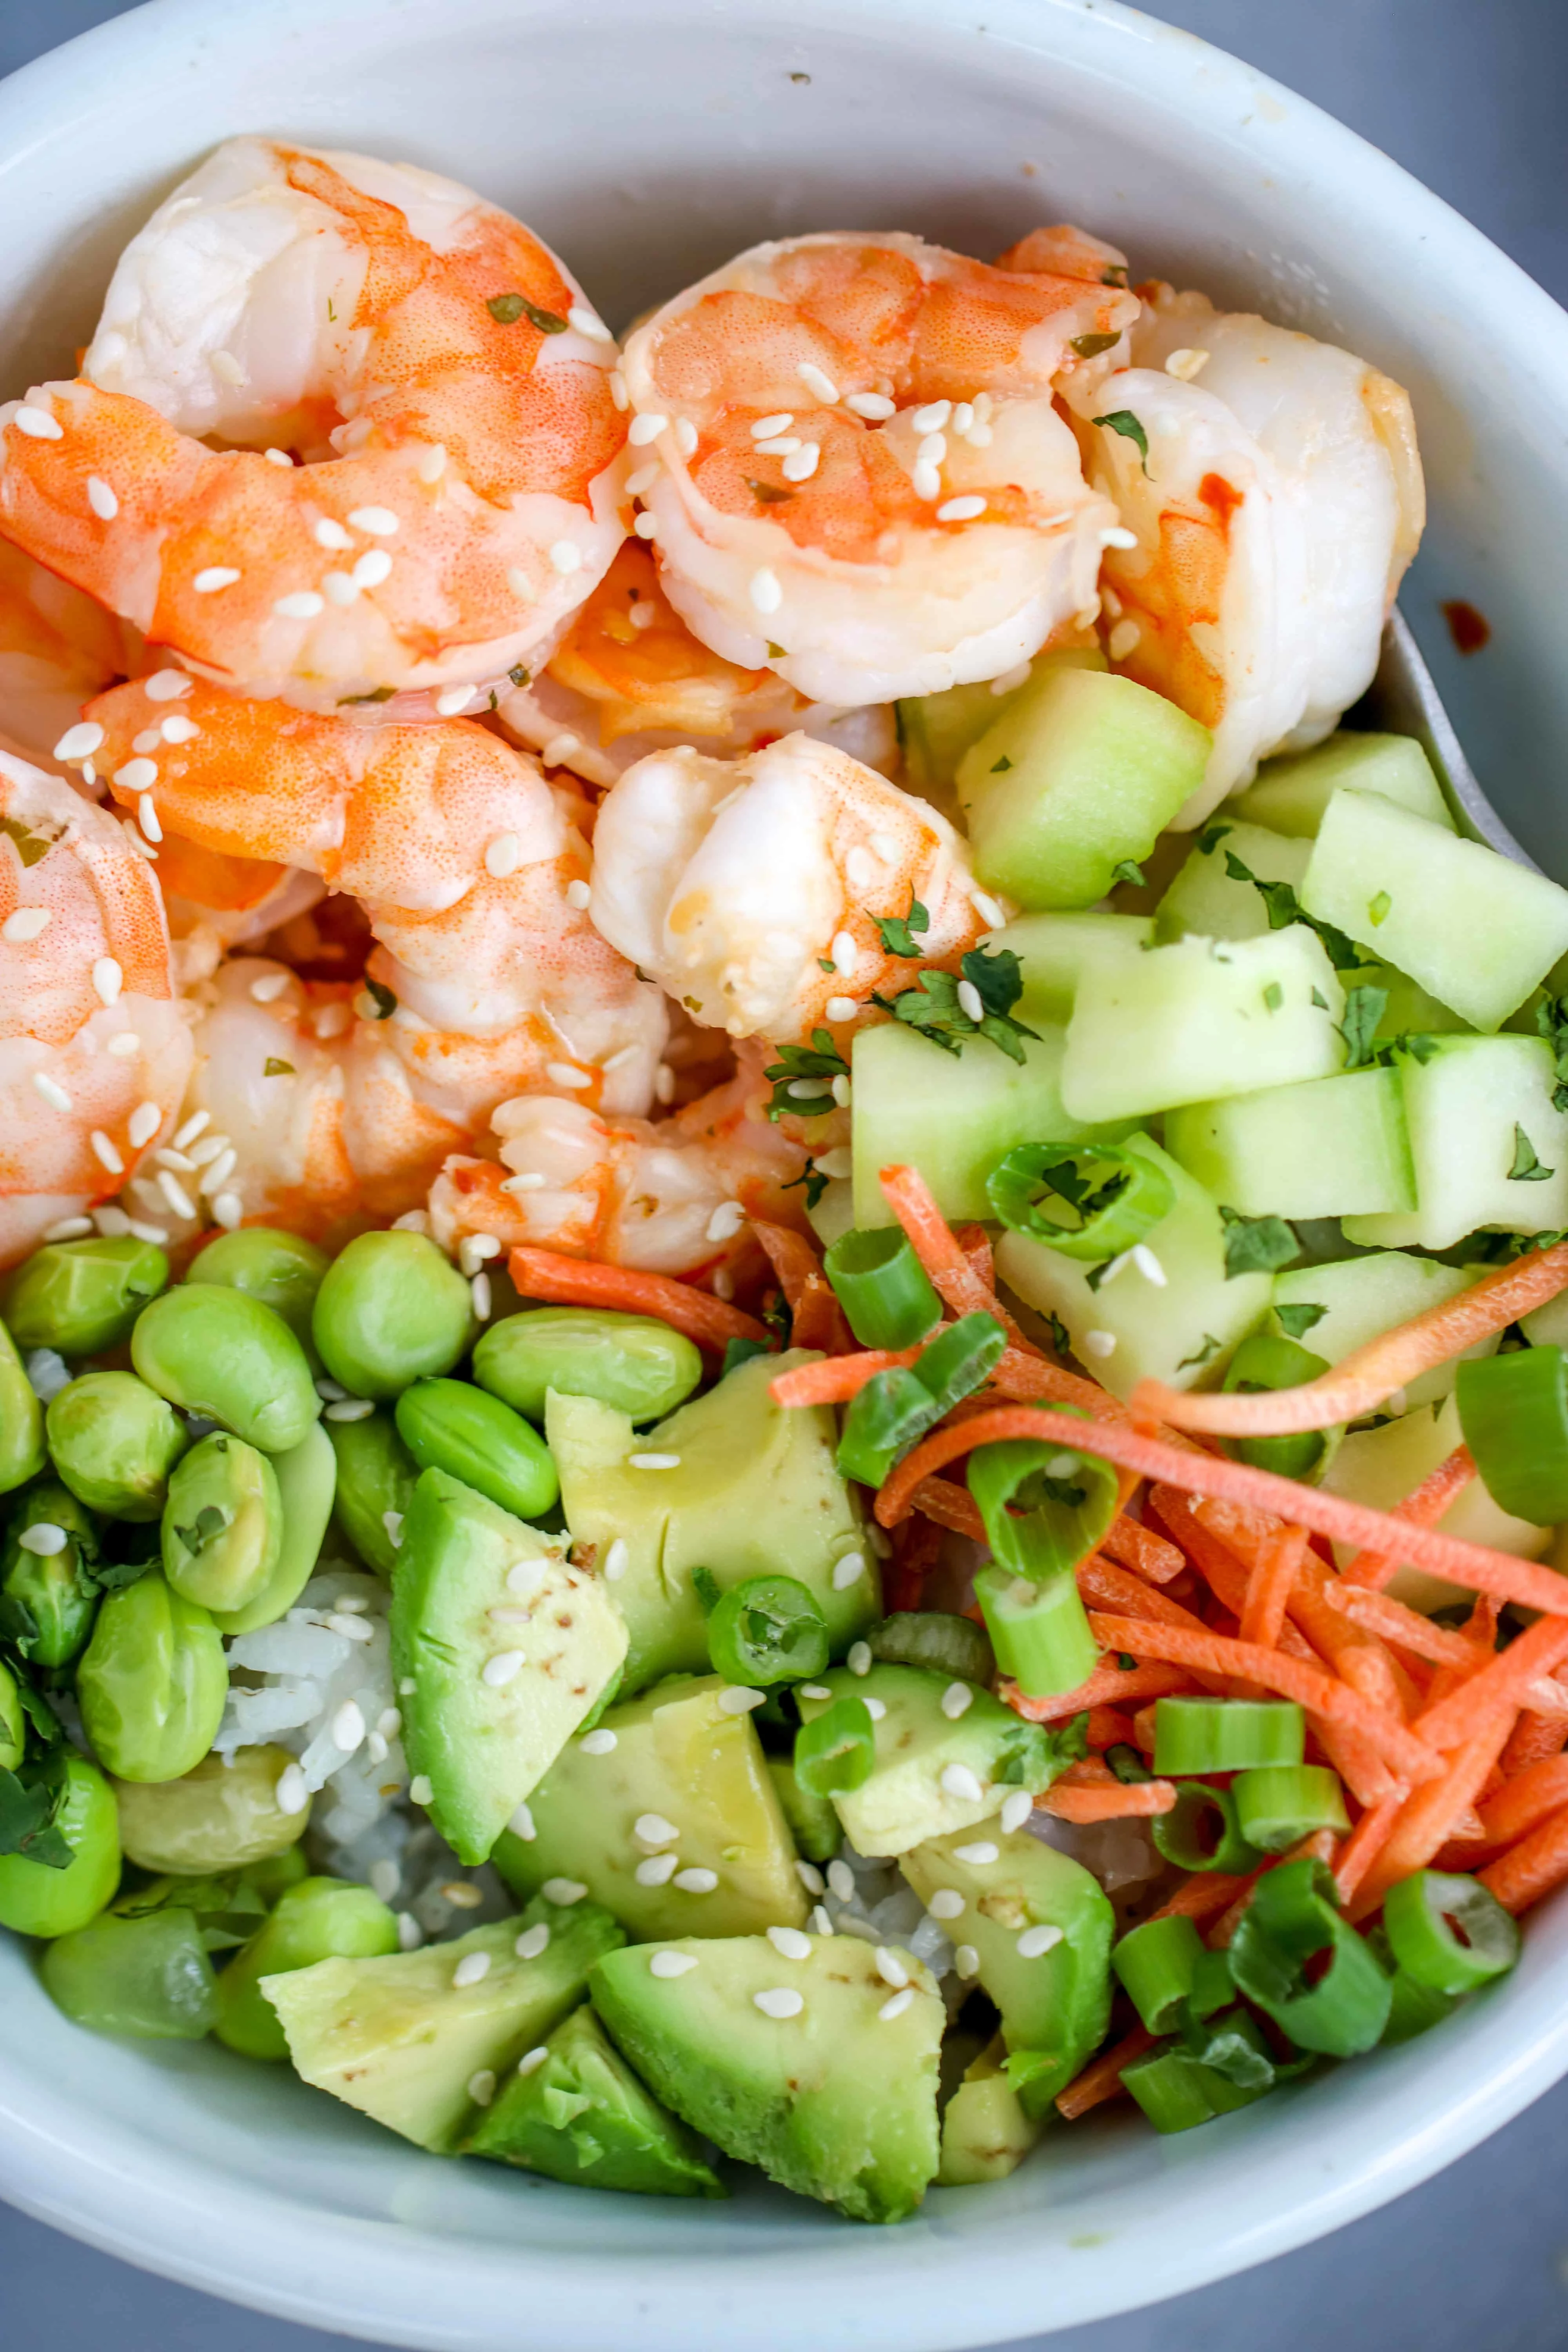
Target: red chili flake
[1470,630]
[1223,497]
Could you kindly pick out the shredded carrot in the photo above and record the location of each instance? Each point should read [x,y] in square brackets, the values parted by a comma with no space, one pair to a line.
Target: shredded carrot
[1101,2078]
[1031,1380]
[1530,1869]
[1203,1896]
[1118,1589]
[939,1250]
[1368,1668]
[1500,1686]
[1365,1378]
[837,1379]
[1365,1842]
[1214,1563]
[1525,1801]
[1534,1738]
[1379,1614]
[1136,1546]
[816,1317]
[1109,1728]
[1426,1819]
[583,1282]
[975,1243]
[951,1506]
[1071,1802]
[1270,1585]
[1109,1685]
[1423,1507]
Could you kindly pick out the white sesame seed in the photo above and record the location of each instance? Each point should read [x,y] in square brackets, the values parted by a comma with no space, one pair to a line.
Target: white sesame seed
[656,1870]
[379,522]
[671,1964]
[479,1290]
[216,1172]
[617,1560]
[1034,1941]
[646,428]
[1123,638]
[178,729]
[586,323]
[966,1962]
[891,1968]
[978,436]
[970,1000]
[685,442]
[531,1942]
[199,1120]
[1148,1266]
[521,1822]
[228,1210]
[932,416]
[175,1195]
[432,463]
[841,1881]
[789,1942]
[474,1250]
[26,924]
[768,429]
[136,775]
[839,1089]
[578,895]
[961,510]
[564,1890]
[503,1668]
[959,1781]
[348,1407]
[800,465]
[69,1229]
[54,1094]
[696,1880]
[37,424]
[859,1658]
[810,1876]
[348,1727]
[566,1073]
[738,1700]
[654,1830]
[979,1854]
[779,2000]
[846,955]
[654,1461]
[329,532]
[503,855]
[956,1700]
[339,588]
[1099,1343]
[147,816]
[841,1008]
[80,742]
[44,1538]
[726,1221]
[566,555]
[640,484]
[896,2004]
[860,868]
[647,526]
[371,568]
[1117,537]
[215,576]
[560,748]
[419,1789]
[786,444]
[393,1522]
[143,1123]
[664,1083]
[453,700]
[817,382]
[925,482]
[814,1690]
[126,1047]
[483,2087]
[471,1969]
[946,1903]
[228,370]
[933,449]
[874,406]
[1016,1807]
[597,1743]
[166,686]
[291,1794]
[270,987]
[1185,364]
[766,593]
[532,2059]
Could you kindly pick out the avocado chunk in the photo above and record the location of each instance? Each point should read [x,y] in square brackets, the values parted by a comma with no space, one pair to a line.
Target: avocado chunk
[1054,2003]
[814,1824]
[934,1772]
[755,1491]
[581,2115]
[836,2100]
[677,1762]
[507,1646]
[986,2135]
[400,2038]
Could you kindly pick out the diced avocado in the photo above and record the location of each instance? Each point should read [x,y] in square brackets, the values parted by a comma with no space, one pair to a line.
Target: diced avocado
[813,1824]
[1381,1467]
[1358,1297]
[1052,950]
[1184,1331]
[1207,902]
[401,2039]
[679,1759]
[934,1773]
[753,1490]
[1488,1145]
[581,2115]
[1331,1148]
[1054,2003]
[936,730]
[986,2135]
[835,2101]
[507,1646]
[1081,774]
[954,1115]
[1292,793]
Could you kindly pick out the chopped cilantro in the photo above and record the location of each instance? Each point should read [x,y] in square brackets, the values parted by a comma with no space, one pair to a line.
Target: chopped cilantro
[1364,1008]
[1285,907]
[31,842]
[1061,1337]
[1526,1169]
[1273,996]
[28,1808]
[1114,274]
[1378,908]
[273,1068]
[778,653]
[519,674]
[768,494]
[1256,1245]
[736,1353]
[821,1060]
[382,997]
[704,1583]
[1551,1022]
[1000,767]
[506,309]
[1297,1321]
[1122,421]
[933,1008]
[1320,1000]
[1210,838]
[1204,1355]
[814,1181]
[1130,872]
[897,930]
[1088,347]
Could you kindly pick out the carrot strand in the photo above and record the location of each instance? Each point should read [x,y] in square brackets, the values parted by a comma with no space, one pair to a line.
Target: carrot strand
[1530,1869]
[1270,1588]
[1101,2078]
[1424,1508]
[583,1282]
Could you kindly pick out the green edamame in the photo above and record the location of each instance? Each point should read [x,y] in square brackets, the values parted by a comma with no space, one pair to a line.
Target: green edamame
[80,1297]
[149,1977]
[114,1441]
[318,1919]
[223,1523]
[48,1595]
[21,1420]
[307,1479]
[12,1722]
[453,1427]
[37,1900]
[376,1477]
[221,1353]
[631,1362]
[391,1310]
[272,1879]
[221,1815]
[283,1270]
[152,1682]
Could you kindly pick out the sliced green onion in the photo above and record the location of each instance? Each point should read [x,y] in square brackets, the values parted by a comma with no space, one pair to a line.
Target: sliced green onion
[959,1358]
[932,1638]
[1157,1963]
[895,1408]
[882,1287]
[1265,1361]
[835,1752]
[1177,2091]
[1278,1803]
[1200,1831]
[1045,1509]
[769,1629]
[1226,1735]
[1039,1632]
[1513,1410]
[1292,1919]
[1114,1198]
[1414,2008]
[1448,1931]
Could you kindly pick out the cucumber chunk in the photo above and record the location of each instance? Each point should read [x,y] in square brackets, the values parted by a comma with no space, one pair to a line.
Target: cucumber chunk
[937,730]
[1381,1467]
[1083,771]
[1206,901]
[1199,1020]
[1476,1110]
[1333,1147]
[1358,1297]
[1052,951]
[1131,1329]
[1477,931]
[1290,795]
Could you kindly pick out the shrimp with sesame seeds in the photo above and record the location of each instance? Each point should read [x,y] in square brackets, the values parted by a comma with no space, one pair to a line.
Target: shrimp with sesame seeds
[439,373]
[58,649]
[855,473]
[94,1045]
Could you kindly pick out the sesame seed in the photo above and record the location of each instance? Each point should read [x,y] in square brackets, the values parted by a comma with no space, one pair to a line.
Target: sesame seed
[393,1522]
[841,1881]
[839,1090]
[740,1700]
[1034,1941]
[126,1047]
[215,576]
[479,1290]
[521,1822]
[199,1120]
[959,1781]
[270,987]
[560,748]
[532,2059]
[503,855]
[967,1961]
[685,441]
[1148,1266]
[54,1094]
[979,1854]
[642,482]
[566,555]
[1185,364]
[347,1407]
[858,1660]
[988,909]
[578,895]
[373,567]
[860,868]
[471,1969]
[136,775]
[779,2000]
[810,1876]
[814,1690]
[228,1210]
[380,522]
[896,2004]
[1117,537]
[647,526]
[848,1570]
[419,1790]
[147,815]
[228,369]
[217,1173]
[821,1924]
[789,1942]
[946,1903]
[932,417]
[841,1008]
[69,1229]
[956,1700]
[79,742]
[25,925]
[331,533]
[961,510]
[874,406]
[143,1124]
[817,381]
[786,444]
[846,955]
[483,2087]
[664,1083]
[178,729]
[1016,1807]
[726,1221]
[1099,1343]
[932,450]
[766,593]
[586,323]
[453,700]
[671,1964]
[970,1000]
[963,416]
[530,1182]
[432,463]
[615,1560]
[531,1942]
[646,428]
[348,1727]
[339,588]
[475,1249]
[654,1461]
[925,480]
[656,1870]
[44,1538]
[978,436]
[564,1890]
[891,1968]
[1123,638]
[503,1668]
[37,424]
[696,1880]
[597,1743]
[654,1830]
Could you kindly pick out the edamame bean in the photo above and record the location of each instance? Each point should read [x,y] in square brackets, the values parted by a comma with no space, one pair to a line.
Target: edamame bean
[223,1523]
[48,1596]
[83,1296]
[221,1353]
[376,1477]
[283,1270]
[307,1479]
[37,1900]
[12,1722]
[219,1816]
[631,1362]
[318,1919]
[149,1977]
[280,1872]
[152,1683]
[21,1420]
[390,1310]
[114,1442]
[453,1427]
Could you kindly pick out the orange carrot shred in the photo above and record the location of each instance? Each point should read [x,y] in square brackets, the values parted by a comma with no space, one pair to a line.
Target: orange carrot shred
[1068,1802]
[1530,1869]
[1203,1896]
[1525,1801]
[816,1317]
[1501,1685]
[1426,1819]
[1136,1546]
[1101,2078]
[1117,1587]
[1378,1614]
[1365,1842]
[583,1282]
[1269,1587]
[1109,1685]
[951,1506]
[937,1246]
[1423,1507]
[837,1379]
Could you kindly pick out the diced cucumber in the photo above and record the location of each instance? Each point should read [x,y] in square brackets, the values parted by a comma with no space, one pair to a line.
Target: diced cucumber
[1083,771]
[1548,1326]
[1381,1467]
[1184,1330]
[937,730]
[1333,1147]
[1199,1020]
[1052,950]
[1476,929]
[954,1116]
[1363,1297]
[1410,1012]
[834,1214]
[1475,1109]
[1292,793]
[1206,900]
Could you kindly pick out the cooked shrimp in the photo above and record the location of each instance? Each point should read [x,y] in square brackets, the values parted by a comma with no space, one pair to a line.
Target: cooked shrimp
[58,649]
[1277,507]
[440,372]
[629,678]
[853,470]
[94,1047]
[216,904]
[734,881]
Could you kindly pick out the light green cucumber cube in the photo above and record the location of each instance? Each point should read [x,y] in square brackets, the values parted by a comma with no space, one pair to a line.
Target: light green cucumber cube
[1548,1326]
[937,730]
[1333,1147]
[1184,1330]
[1477,931]
[1476,1110]
[1409,1011]
[1083,771]
[1381,1467]
[834,1214]
[1206,900]
[1290,795]
[1199,1020]
[954,1116]
[1334,1309]
[1052,950]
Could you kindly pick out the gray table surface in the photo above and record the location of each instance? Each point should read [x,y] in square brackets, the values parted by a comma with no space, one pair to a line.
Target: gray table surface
[1467,95]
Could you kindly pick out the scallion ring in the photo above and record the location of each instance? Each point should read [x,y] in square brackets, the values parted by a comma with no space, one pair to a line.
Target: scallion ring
[1115,1198]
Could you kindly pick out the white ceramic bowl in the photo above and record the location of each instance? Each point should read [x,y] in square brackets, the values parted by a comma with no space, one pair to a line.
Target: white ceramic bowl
[648,139]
